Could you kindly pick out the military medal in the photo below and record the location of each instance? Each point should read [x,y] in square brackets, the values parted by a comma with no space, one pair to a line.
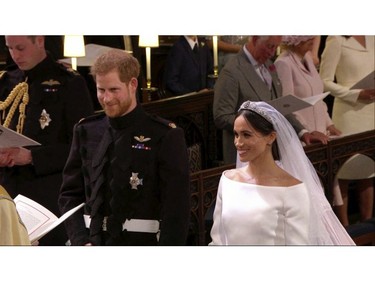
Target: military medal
[141,145]
[135,181]
[44,119]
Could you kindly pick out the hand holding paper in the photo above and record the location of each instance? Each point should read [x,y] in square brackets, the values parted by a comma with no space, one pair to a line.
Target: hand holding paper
[11,156]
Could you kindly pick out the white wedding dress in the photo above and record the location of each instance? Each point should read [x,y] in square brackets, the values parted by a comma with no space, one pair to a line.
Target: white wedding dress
[249,214]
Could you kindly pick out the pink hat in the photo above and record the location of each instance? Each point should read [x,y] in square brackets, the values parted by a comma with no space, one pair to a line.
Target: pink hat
[295,39]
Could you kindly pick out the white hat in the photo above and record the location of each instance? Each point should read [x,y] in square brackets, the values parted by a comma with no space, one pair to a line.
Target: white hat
[295,39]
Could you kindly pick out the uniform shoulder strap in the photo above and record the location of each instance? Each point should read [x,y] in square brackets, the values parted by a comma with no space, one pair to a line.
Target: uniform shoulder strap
[163,121]
[2,73]
[96,116]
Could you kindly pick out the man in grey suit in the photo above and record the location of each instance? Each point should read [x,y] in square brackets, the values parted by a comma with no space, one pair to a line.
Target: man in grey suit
[250,75]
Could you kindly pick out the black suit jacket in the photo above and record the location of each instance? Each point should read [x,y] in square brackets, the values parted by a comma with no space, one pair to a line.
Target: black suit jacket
[187,72]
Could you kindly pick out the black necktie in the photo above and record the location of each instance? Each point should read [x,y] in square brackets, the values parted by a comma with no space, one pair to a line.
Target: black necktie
[195,49]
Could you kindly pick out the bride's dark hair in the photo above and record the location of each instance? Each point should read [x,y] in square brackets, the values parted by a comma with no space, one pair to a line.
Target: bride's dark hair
[262,125]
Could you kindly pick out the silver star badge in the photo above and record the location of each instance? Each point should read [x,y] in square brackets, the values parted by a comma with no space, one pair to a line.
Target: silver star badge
[135,181]
[44,119]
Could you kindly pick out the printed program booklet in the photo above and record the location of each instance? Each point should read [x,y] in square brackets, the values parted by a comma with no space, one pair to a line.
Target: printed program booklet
[10,138]
[37,219]
[290,103]
[368,82]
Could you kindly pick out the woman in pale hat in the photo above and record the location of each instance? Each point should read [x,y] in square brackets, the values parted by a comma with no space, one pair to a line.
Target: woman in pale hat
[299,77]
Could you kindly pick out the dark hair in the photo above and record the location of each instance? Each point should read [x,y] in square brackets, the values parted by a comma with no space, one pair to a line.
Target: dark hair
[261,125]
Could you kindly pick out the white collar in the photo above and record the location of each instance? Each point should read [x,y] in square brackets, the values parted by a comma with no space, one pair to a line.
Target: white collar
[191,41]
[251,58]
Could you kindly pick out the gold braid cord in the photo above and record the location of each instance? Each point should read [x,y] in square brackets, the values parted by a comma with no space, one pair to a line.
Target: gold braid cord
[18,94]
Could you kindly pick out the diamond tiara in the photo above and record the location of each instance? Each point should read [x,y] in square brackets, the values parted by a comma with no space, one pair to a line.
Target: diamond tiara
[253,106]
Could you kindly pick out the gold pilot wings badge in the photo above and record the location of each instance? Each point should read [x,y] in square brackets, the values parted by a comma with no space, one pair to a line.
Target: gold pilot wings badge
[141,138]
[51,82]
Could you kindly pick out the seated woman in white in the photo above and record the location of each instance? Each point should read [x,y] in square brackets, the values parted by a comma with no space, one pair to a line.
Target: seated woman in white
[269,203]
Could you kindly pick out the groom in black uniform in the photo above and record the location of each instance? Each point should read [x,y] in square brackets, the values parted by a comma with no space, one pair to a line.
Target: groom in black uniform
[130,168]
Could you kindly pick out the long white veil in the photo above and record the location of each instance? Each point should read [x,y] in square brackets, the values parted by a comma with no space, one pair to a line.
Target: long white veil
[324,226]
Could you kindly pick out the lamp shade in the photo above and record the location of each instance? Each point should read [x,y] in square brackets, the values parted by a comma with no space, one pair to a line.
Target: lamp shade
[74,46]
[148,41]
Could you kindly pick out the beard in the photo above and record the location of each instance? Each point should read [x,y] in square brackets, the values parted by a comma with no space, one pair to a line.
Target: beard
[118,109]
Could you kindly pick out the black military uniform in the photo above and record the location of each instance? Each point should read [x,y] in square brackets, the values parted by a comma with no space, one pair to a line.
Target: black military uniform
[58,99]
[132,169]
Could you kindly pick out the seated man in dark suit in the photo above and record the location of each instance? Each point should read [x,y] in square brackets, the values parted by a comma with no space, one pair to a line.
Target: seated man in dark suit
[188,66]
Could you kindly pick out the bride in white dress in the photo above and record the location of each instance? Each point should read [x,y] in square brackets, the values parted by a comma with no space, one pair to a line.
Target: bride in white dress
[270,202]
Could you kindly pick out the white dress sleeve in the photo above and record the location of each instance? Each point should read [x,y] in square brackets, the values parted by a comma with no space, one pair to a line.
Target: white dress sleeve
[297,216]
[329,62]
[217,232]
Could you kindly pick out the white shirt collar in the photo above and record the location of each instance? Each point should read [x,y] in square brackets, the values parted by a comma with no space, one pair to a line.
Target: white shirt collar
[191,42]
[250,57]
